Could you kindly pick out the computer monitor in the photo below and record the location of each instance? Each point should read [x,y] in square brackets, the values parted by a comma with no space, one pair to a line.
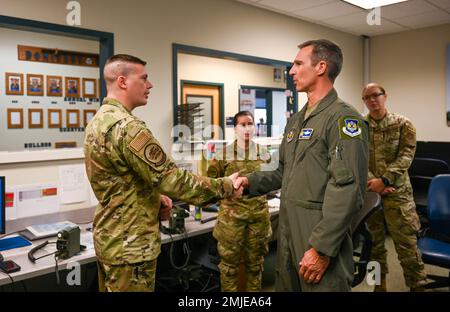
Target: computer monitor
[2,205]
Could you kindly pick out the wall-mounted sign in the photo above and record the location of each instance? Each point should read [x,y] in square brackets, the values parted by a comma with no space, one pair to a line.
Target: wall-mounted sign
[55,56]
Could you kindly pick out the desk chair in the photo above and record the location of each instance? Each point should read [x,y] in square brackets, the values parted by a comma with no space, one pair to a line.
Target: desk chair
[362,240]
[421,172]
[434,244]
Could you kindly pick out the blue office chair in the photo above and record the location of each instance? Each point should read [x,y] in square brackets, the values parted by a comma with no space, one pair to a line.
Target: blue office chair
[434,243]
[421,172]
[362,239]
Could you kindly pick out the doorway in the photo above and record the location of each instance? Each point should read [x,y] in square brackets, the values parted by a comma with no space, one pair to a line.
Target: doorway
[201,74]
[204,102]
[269,107]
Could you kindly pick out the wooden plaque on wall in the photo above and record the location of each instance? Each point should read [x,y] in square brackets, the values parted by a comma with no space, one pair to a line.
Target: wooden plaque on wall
[54,118]
[65,144]
[14,83]
[35,118]
[72,118]
[56,56]
[15,118]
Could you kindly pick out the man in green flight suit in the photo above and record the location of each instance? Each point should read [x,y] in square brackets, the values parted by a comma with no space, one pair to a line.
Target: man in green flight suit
[392,148]
[128,171]
[322,174]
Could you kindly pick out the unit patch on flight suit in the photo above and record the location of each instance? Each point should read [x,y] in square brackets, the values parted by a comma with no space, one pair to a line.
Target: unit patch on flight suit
[290,135]
[154,154]
[349,127]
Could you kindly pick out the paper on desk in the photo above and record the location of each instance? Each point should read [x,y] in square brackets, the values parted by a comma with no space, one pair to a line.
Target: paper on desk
[72,184]
[274,202]
[87,240]
[49,228]
[36,199]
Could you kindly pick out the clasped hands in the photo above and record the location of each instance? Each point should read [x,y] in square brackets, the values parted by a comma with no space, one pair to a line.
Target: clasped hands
[239,183]
[377,185]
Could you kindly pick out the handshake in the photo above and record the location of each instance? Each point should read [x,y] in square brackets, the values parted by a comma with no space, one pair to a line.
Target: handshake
[239,183]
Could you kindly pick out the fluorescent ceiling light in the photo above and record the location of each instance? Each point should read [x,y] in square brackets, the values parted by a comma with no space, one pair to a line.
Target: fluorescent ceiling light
[370,4]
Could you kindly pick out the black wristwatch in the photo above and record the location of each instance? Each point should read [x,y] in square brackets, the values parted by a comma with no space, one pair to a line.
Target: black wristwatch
[385,181]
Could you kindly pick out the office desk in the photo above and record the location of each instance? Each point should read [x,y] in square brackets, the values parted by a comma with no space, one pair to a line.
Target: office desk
[47,265]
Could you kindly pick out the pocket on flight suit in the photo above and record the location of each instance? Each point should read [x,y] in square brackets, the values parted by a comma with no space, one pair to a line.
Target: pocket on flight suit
[340,173]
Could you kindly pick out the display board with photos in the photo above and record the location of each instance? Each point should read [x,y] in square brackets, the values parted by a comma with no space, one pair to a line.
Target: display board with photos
[50,106]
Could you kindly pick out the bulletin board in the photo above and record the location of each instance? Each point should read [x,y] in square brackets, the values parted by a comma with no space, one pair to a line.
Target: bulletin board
[49,90]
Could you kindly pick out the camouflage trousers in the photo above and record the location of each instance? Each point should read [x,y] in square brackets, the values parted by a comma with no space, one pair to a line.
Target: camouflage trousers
[242,239]
[136,277]
[399,214]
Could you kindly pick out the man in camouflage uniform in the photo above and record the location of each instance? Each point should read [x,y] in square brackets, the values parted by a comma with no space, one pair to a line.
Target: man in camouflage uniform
[243,225]
[392,148]
[129,171]
[322,173]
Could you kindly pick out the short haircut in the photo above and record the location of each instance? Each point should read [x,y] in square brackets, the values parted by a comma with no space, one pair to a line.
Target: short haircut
[126,58]
[328,51]
[240,114]
[376,85]
[123,69]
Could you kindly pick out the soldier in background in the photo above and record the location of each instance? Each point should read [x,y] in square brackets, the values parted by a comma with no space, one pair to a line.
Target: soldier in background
[243,226]
[392,148]
[128,171]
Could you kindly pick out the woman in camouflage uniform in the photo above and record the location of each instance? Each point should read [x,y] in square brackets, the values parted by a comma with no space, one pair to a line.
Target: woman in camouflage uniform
[243,228]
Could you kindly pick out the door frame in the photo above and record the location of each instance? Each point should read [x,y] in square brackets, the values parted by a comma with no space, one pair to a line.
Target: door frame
[186,49]
[221,87]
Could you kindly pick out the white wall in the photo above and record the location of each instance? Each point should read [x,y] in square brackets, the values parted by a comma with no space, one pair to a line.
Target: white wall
[148,29]
[232,74]
[412,68]
[14,139]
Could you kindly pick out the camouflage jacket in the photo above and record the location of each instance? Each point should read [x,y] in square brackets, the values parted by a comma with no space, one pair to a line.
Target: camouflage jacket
[128,170]
[232,159]
[392,148]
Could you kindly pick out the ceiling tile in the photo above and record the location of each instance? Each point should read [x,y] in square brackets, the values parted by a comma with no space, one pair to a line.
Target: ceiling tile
[350,20]
[293,5]
[411,7]
[425,19]
[366,29]
[443,4]
[329,10]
